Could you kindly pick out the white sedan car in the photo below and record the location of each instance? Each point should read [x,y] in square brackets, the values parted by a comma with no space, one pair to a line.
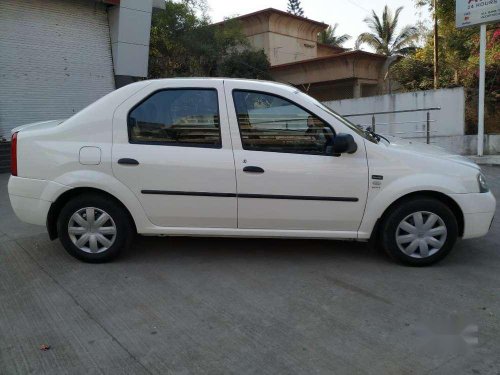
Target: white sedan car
[238,158]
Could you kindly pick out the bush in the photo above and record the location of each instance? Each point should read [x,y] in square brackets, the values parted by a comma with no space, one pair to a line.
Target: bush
[413,74]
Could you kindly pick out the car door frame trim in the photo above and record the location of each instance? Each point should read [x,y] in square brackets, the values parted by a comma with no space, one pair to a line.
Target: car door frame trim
[251,196]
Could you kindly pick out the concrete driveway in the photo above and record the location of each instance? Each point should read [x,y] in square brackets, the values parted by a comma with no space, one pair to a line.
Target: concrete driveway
[227,306]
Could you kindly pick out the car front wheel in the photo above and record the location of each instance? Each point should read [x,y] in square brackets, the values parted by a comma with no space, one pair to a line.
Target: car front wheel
[419,232]
[94,228]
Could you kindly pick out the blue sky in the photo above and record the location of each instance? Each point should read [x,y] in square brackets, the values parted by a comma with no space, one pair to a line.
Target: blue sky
[349,14]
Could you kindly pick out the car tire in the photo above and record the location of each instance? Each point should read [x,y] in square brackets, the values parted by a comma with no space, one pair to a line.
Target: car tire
[106,238]
[419,232]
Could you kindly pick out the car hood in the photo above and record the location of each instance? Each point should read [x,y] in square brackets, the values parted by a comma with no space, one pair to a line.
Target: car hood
[38,125]
[422,149]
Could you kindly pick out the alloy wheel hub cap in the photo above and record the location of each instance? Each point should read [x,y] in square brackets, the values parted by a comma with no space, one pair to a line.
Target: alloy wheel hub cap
[421,234]
[92,230]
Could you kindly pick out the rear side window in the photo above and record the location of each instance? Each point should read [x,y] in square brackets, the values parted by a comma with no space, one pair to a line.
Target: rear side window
[274,124]
[177,117]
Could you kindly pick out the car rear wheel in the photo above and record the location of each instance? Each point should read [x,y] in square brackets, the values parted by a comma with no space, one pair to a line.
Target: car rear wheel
[94,228]
[419,232]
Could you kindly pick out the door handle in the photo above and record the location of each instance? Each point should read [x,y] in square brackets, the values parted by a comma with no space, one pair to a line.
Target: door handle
[128,161]
[253,169]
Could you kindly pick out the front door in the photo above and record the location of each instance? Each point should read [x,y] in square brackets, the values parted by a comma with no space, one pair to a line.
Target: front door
[285,178]
[171,147]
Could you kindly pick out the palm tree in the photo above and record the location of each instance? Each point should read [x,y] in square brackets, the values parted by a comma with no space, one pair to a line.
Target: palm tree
[383,38]
[328,37]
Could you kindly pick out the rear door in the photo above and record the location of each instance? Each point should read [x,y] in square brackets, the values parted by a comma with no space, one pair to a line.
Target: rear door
[172,148]
[286,178]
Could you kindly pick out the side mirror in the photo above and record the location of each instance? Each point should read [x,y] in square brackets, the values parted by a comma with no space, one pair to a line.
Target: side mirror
[344,143]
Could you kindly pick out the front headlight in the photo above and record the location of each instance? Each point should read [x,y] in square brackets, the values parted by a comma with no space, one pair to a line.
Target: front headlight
[483,185]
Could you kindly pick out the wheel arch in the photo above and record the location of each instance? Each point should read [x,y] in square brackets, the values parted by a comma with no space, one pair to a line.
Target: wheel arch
[65,197]
[446,199]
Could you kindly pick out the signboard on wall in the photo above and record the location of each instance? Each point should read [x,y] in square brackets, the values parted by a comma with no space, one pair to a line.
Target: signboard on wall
[475,12]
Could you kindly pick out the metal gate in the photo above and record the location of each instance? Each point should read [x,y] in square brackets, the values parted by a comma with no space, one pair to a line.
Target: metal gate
[55,59]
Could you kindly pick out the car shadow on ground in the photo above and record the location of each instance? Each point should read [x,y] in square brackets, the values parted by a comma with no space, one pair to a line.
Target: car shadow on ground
[209,249]
[146,250]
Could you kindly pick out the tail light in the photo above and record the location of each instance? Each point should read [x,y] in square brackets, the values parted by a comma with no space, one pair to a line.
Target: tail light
[13,155]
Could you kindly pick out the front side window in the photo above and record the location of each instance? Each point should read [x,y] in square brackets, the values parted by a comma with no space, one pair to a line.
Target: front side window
[178,117]
[363,133]
[271,123]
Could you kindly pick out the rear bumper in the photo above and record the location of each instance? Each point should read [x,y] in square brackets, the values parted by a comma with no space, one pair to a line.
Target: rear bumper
[478,210]
[30,210]
[31,198]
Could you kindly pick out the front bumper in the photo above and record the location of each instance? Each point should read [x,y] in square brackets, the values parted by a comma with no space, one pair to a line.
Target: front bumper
[478,210]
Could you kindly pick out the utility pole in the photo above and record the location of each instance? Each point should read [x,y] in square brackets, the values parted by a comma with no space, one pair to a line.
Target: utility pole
[436,57]
[482,71]
[467,17]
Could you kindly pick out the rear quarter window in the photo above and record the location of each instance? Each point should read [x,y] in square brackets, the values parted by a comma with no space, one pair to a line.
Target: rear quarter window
[177,117]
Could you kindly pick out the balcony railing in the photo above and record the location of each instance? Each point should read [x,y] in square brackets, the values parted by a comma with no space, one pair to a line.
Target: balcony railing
[374,124]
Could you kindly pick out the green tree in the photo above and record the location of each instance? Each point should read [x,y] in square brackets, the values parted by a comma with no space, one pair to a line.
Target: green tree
[328,37]
[210,44]
[458,52]
[295,8]
[245,64]
[186,44]
[168,47]
[413,74]
[383,38]
[457,47]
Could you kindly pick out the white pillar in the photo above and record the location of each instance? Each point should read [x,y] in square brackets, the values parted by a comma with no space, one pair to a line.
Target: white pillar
[480,112]
[130,26]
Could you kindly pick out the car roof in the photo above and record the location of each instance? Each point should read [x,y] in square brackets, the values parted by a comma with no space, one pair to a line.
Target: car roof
[259,81]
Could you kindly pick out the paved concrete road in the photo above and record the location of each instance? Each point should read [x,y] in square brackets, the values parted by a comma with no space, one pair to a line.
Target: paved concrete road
[219,306]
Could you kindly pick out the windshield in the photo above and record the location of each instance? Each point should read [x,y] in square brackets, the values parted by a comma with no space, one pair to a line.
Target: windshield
[357,129]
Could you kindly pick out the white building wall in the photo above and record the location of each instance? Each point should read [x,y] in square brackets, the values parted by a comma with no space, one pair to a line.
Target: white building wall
[467,144]
[449,121]
[285,49]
